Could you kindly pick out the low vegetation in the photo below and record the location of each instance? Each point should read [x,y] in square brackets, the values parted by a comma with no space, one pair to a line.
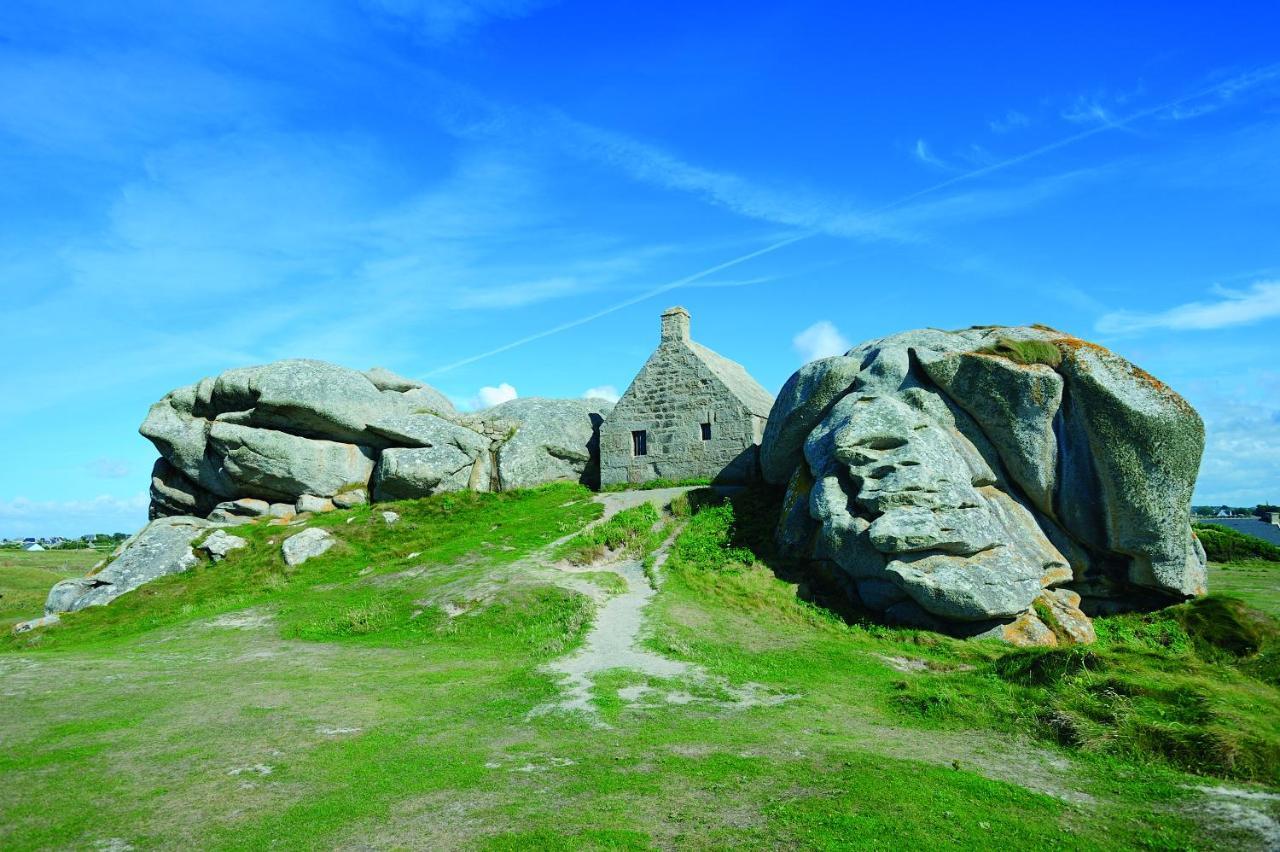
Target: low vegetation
[391,693]
[631,531]
[655,484]
[1025,351]
[1223,544]
[25,579]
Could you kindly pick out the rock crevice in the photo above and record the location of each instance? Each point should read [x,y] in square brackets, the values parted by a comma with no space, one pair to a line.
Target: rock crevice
[980,481]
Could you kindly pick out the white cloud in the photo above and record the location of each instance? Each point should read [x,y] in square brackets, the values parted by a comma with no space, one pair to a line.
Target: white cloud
[925,155]
[1241,464]
[105,513]
[1233,307]
[447,20]
[490,396]
[608,392]
[1088,111]
[819,341]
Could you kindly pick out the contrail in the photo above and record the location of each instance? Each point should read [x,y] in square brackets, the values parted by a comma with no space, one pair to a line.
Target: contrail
[648,294]
[1242,81]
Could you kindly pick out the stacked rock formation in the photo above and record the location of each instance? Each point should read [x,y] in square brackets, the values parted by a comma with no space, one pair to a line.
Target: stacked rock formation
[301,435]
[993,481]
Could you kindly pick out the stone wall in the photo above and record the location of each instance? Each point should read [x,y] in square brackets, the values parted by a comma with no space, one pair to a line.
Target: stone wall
[671,397]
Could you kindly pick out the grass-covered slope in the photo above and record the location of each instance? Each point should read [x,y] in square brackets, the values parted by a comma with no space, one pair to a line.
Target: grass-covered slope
[25,579]
[392,693]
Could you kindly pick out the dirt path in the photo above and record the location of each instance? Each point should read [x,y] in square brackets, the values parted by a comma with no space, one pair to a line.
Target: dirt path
[616,638]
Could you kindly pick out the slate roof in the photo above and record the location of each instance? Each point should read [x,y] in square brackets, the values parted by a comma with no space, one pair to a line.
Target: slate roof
[736,378]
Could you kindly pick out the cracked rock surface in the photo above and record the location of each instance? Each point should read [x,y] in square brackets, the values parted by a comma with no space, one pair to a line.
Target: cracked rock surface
[313,431]
[994,481]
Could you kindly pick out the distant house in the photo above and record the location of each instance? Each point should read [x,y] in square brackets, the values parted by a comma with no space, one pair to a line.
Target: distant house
[32,546]
[1224,512]
[689,413]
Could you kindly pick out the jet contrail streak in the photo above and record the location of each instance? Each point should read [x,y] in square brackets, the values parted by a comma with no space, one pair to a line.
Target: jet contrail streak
[1245,80]
[648,294]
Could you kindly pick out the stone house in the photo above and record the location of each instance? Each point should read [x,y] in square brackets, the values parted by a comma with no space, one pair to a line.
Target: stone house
[688,413]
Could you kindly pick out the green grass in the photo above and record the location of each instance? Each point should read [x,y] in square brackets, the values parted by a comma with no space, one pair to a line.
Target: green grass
[25,579]
[654,484]
[1254,581]
[1025,351]
[441,530]
[377,699]
[631,531]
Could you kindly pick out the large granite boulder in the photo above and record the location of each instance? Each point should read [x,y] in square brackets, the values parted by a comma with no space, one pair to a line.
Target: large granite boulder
[162,547]
[280,466]
[285,430]
[547,440]
[991,481]
[409,472]
[304,433]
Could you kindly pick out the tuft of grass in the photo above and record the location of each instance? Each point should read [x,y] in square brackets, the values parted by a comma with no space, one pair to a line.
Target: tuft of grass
[1025,351]
[630,530]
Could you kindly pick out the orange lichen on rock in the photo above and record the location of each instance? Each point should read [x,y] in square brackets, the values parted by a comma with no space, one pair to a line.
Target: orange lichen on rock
[1069,346]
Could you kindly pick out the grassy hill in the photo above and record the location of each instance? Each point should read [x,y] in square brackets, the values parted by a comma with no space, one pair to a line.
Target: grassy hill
[412,688]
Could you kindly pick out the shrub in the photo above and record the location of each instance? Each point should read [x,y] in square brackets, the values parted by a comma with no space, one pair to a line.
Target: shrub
[1223,544]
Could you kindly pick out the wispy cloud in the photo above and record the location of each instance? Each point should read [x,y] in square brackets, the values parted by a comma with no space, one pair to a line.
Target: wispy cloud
[1011,120]
[606,392]
[925,155]
[1232,308]
[820,340]
[650,164]
[20,516]
[448,20]
[1242,453]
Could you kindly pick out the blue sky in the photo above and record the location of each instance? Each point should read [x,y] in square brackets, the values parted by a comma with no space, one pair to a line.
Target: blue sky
[421,184]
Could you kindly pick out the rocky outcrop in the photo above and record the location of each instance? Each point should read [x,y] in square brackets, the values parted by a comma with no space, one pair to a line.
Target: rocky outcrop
[162,547]
[307,435]
[550,440]
[993,481]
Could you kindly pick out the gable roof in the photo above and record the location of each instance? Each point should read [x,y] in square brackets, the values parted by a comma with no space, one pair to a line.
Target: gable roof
[736,378]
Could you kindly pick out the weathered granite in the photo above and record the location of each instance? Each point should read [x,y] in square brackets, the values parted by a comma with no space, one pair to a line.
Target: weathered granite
[219,543]
[406,473]
[281,466]
[984,480]
[308,544]
[549,440]
[312,503]
[162,547]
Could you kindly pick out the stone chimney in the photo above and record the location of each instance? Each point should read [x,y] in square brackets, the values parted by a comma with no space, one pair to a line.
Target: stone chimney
[675,324]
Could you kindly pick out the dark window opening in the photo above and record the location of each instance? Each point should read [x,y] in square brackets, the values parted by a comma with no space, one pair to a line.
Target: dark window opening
[640,443]
[706,431]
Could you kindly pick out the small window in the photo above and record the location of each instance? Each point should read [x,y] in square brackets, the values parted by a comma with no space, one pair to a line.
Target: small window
[706,431]
[640,443]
